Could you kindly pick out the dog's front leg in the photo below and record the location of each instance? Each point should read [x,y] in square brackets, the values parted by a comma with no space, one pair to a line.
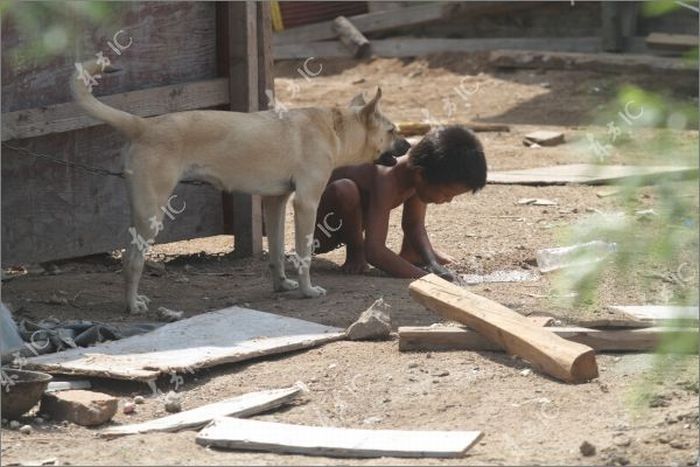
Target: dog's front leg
[274,226]
[305,205]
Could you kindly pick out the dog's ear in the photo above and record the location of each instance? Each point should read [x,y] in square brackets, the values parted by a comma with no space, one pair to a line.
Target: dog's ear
[358,100]
[372,107]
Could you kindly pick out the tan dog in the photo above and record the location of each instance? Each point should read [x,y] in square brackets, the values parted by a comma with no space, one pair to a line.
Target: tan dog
[267,153]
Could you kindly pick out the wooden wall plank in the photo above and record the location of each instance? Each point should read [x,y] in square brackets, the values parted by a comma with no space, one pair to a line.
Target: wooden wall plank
[69,116]
[50,211]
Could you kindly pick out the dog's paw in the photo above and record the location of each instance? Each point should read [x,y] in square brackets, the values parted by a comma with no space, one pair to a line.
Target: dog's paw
[314,291]
[285,285]
[139,305]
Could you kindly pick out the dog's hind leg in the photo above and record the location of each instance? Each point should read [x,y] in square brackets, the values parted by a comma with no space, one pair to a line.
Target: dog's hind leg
[148,195]
[274,225]
[306,202]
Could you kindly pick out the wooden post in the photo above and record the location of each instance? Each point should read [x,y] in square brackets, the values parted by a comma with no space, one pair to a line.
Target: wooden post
[241,48]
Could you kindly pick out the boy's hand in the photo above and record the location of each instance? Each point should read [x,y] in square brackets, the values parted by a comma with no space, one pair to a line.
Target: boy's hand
[441,271]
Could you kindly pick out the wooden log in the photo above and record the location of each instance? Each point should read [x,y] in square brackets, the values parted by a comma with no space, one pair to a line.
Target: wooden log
[351,37]
[435,338]
[421,128]
[567,361]
[602,62]
[369,22]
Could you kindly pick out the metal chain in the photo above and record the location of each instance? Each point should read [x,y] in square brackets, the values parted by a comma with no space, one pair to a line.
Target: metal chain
[86,168]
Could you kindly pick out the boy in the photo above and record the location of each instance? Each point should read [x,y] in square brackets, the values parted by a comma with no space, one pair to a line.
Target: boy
[447,162]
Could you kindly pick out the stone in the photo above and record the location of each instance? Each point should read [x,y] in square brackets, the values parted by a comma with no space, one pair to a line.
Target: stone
[38,420]
[86,408]
[413,365]
[621,440]
[14,425]
[173,402]
[26,430]
[442,373]
[139,400]
[526,372]
[374,323]
[129,408]
[587,449]
[678,444]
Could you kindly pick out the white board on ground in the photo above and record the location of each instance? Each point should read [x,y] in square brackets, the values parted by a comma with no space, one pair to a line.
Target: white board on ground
[660,314]
[225,336]
[240,406]
[590,174]
[236,433]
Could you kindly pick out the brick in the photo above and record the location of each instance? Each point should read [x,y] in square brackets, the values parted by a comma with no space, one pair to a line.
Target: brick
[87,408]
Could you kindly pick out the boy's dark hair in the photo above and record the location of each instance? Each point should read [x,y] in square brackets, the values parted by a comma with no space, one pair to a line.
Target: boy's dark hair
[451,154]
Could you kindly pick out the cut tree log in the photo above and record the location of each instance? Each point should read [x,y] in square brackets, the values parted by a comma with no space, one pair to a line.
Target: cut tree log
[351,37]
[436,338]
[567,361]
[421,128]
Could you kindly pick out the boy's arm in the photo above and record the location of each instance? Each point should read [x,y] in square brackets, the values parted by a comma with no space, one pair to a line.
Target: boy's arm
[413,225]
[377,227]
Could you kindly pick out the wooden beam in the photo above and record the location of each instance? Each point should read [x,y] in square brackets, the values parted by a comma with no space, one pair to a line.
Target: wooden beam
[434,338]
[602,62]
[416,47]
[568,361]
[369,22]
[239,54]
[69,116]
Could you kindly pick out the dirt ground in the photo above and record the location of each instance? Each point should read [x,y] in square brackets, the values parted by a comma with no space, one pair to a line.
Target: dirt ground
[628,414]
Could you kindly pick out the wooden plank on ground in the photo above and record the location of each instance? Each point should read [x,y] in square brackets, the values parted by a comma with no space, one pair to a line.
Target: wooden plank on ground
[415,47]
[60,118]
[236,433]
[568,361]
[656,315]
[225,336]
[672,42]
[591,174]
[241,406]
[369,22]
[603,62]
[436,338]
[421,128]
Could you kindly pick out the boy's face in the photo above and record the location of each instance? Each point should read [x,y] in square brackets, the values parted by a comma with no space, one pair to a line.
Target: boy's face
[438,193]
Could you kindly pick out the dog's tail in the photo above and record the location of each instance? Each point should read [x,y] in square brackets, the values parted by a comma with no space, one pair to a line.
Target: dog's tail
[129,124]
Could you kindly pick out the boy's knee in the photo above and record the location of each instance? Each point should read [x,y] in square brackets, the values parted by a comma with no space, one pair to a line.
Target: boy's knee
[346,191]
